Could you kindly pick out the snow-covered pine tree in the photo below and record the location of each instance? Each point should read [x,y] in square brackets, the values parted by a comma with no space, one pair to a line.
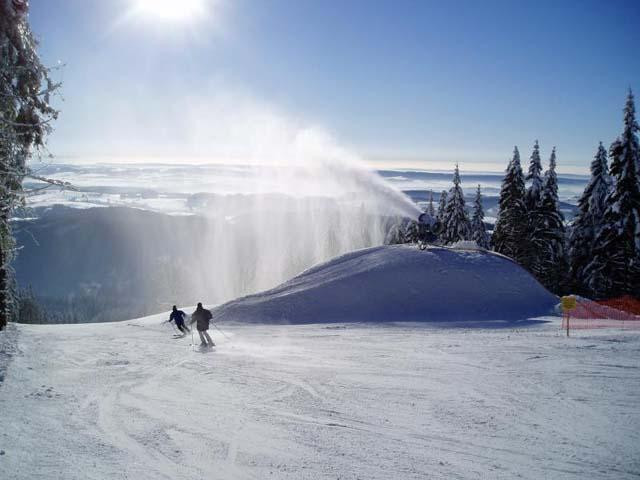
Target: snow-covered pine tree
[534,219]
[411,232]
[510,229]
[534,191]
[442,206]
[456,224]
[430,209]
[25,118]
[615,266]
[395,235]
[550,184]
[548,239]
[588,221]
[478,230]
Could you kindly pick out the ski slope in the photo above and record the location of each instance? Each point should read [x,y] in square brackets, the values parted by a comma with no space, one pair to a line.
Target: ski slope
[340,401]
[400,283]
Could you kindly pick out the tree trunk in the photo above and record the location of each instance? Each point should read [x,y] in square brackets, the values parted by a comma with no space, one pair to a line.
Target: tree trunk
[4,297]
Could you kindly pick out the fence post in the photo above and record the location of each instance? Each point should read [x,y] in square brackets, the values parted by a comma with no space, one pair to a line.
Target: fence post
[568,304]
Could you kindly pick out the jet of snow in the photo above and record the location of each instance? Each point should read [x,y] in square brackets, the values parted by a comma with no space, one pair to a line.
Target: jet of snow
[318,199]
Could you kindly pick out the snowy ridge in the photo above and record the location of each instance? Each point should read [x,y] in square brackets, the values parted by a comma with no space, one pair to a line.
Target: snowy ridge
[399,283]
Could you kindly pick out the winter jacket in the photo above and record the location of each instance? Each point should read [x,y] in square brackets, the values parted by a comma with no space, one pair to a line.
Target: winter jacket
[201,317]
[177,316]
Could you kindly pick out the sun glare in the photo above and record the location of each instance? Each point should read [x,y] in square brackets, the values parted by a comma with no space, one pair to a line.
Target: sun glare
[171,10]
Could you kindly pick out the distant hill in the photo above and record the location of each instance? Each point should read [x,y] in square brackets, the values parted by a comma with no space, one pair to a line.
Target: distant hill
[114,263]
[110,263]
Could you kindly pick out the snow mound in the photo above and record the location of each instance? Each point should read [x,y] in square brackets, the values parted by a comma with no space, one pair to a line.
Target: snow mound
[399,283]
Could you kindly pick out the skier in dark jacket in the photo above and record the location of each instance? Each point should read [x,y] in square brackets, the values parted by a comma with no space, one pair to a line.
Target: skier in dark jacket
[201,317]
[178,316]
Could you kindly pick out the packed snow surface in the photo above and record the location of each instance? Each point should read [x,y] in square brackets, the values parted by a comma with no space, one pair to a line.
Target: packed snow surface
[125,400]
[400,283]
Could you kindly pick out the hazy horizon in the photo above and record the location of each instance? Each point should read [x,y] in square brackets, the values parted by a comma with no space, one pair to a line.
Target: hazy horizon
[374,163]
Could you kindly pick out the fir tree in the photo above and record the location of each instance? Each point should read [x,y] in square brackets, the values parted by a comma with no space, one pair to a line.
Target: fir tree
[534,192]
[551,178]
[25,121]
[478,229]
[411,232]
[534,219]
[588,221]
[430,209]
[615,266]
[456,225]
[395,235]
[548,238]
[442,206]
[509,233]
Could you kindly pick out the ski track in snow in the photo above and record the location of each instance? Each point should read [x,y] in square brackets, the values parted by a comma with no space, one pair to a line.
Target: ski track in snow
[124,400]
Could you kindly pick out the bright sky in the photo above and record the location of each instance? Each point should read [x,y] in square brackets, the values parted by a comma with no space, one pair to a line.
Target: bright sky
[406,83]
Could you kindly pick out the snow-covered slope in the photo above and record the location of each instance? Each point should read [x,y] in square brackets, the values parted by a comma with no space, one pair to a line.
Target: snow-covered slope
[299,402]
[399,283]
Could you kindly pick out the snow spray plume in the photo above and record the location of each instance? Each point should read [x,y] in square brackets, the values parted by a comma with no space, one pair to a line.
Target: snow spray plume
[304,199]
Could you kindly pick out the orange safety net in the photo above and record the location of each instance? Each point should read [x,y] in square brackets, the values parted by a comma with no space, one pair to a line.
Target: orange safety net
[626,304]
[604,314]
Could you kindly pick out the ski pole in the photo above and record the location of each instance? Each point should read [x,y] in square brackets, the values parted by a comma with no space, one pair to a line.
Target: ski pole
[225,336]
[193,347]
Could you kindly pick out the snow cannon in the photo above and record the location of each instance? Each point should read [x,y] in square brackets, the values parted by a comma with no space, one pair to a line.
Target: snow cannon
[427,228]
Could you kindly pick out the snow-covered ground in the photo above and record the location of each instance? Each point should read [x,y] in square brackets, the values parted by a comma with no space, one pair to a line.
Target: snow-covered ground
[341,401]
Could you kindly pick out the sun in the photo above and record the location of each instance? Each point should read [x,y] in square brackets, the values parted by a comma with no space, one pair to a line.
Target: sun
[171,10]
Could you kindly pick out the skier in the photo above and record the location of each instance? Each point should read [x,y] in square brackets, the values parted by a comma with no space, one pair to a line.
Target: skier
[178,316]
[202,317]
